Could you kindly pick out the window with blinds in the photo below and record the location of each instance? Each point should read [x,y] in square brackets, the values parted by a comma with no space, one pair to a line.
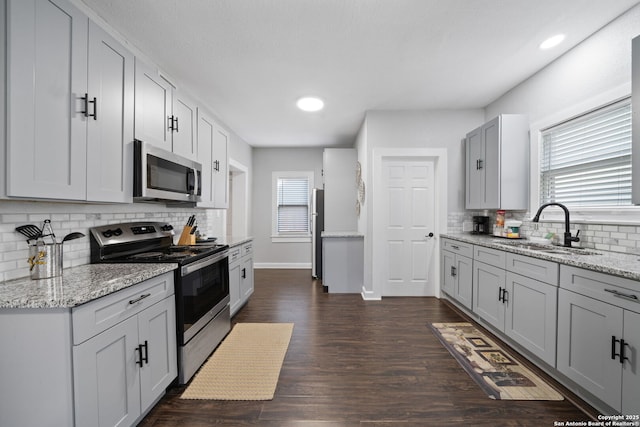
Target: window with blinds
[586,161]
[293,205]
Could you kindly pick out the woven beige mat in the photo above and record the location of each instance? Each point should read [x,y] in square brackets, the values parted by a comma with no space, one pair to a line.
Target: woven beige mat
[245,366]
[496,371]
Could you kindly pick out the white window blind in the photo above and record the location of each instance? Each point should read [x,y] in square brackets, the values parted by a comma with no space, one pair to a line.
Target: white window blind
[293,205]
[586,161]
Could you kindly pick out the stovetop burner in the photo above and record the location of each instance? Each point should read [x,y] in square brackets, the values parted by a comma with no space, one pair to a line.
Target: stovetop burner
[144,242]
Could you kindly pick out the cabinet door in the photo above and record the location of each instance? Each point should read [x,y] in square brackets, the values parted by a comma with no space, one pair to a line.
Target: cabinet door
[464,281]
[206,132]
[491,164]
[47,77]
[488,283]
[448,272]
[221,168]
[106,377]
[110,128]
[246,274]
[475,171]
[631,367]
[157,329]
[586,328]
[184,134]
[531,315]
[234,287]
[153,105]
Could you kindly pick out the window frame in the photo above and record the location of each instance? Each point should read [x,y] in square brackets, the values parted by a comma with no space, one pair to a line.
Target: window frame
[619,215]
[277,237]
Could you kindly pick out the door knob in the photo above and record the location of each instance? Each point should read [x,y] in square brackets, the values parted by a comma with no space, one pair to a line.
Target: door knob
[428,236]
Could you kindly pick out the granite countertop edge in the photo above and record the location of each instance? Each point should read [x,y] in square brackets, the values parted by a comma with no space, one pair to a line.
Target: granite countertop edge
[615,263]
[233,241]
[77,285]
[340,234]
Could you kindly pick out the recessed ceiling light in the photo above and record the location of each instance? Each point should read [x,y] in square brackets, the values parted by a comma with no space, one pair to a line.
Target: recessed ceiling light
[310,103]
[552,41]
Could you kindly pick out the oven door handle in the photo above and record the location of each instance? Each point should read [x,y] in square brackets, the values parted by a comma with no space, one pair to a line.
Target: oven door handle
[190,268]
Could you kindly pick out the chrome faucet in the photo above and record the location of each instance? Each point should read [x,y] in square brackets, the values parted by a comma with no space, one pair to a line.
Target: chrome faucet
[568,238]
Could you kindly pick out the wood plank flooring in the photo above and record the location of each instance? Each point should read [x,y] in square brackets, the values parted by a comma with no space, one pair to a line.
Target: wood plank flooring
[357,363]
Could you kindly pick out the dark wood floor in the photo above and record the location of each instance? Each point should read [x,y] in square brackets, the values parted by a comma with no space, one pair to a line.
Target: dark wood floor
[357,363]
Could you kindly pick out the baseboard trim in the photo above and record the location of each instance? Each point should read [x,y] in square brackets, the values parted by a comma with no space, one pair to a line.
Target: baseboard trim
[283,265]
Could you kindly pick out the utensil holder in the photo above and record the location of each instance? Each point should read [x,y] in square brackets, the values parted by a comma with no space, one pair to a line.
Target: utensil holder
[45,260]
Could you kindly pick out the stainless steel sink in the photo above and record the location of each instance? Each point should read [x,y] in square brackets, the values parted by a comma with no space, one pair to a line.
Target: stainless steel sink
[550,249]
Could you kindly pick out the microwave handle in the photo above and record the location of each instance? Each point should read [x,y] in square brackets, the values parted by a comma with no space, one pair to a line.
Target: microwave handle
[199,182]
[192,181]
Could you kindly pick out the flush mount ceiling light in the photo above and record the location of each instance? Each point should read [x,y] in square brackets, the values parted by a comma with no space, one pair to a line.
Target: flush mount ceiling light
[552,42]
[310,103]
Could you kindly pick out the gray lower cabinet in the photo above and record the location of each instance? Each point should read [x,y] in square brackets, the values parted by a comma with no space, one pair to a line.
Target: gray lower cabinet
[120,372]
[457,271]
[102,363]
[598,336]
[522,307]
[241,281]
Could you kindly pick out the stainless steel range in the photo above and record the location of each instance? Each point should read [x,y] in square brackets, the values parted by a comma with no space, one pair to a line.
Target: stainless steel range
[201,283]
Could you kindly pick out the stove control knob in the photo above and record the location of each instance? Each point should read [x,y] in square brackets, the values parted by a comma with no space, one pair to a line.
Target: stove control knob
[107,233]
[167,227]
[117,231]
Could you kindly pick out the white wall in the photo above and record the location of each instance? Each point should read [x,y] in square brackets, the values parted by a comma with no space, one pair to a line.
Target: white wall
[266,161]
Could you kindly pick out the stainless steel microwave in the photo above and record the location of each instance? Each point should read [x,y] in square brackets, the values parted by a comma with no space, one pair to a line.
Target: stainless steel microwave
[160,175]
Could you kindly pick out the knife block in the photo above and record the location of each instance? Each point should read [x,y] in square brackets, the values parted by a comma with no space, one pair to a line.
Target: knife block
[186,238]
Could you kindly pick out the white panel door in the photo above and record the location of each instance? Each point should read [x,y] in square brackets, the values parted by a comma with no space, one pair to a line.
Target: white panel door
[408,219]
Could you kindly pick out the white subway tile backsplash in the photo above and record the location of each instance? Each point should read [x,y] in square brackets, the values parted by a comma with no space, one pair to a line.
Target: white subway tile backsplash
[70,217]
[608,237]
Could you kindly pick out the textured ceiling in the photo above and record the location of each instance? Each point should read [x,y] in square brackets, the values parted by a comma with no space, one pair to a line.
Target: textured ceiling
[251,59]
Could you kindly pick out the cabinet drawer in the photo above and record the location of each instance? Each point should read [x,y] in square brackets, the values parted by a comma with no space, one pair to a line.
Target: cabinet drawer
[539,269]
[96,316]
[614,290]
[464,249]
[489,256]
[235,254]
[247,249]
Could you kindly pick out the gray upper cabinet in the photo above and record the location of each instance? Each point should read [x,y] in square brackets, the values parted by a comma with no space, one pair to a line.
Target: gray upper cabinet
[164,116]
[153,107]
[212,153]
[635,101]
[220,168]
[47,79]
[110,124]
[70,106]
[497,164]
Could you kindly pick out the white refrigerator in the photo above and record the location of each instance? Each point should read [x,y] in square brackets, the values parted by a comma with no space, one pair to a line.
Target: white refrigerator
[317,226]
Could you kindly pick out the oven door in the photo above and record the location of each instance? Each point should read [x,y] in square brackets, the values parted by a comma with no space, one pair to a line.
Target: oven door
[202,292]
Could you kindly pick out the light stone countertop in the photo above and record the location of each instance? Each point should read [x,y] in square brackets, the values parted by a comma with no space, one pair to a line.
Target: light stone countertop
[340,234]
[618,264]
[77,285]
[236,240]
